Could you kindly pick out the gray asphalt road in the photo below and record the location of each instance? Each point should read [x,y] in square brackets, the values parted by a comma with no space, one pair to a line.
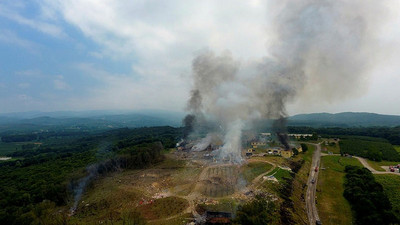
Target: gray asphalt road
[312,212]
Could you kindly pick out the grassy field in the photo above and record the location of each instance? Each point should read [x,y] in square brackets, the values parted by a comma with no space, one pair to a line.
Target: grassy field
[163,208]
[224,205]
[334,149]
[179,220]
[278,160]
[7,148]
[106,200]
[254,169]
[333,208]
[391,187]
[279,173]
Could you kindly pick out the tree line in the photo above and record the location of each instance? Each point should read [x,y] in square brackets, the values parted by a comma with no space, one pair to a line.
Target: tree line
[368,201]
[392,134]
[371,148]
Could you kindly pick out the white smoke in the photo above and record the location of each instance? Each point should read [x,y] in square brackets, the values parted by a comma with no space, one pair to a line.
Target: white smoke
[233,142]
[203,143]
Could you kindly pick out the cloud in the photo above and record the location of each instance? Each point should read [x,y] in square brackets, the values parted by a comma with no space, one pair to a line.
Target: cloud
[60,84]
[11,12]
[32,73]
[24,85]
[24,98]
[158,39]
[152,29]
[9,37]
[126,91]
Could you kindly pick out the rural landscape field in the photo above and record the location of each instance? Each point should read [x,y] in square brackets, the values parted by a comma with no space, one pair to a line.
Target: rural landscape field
[64,175]
[185,112]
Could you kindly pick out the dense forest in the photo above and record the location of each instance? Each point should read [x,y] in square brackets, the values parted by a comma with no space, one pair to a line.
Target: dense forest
[367,198]
[392,134]
[375,149]
[45,175]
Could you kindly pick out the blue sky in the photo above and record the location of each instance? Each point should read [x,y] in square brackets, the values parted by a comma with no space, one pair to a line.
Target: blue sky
[42,67]
[95,54]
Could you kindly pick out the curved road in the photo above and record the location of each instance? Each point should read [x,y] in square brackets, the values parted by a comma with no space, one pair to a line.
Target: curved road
[312,212]
[366,165]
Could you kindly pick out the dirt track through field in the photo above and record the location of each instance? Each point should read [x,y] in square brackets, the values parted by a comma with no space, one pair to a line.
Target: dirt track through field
[215,181]
[365,163]
[258,179]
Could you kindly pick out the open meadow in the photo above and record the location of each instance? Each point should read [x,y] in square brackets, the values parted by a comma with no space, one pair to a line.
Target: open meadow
[333,208]
[391,186]
[8,148]
[330,145]
[253,169]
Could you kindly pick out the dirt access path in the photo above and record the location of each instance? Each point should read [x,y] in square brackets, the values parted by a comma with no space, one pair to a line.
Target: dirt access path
[258,179]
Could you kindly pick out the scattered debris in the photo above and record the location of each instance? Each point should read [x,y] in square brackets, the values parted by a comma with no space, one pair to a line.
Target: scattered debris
[270,178]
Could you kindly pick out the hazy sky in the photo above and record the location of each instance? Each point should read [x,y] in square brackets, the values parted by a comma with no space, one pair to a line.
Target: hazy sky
[104,54]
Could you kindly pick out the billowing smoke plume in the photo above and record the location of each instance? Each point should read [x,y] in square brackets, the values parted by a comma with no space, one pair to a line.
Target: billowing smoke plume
[321,50]
[189,123]
[279,127]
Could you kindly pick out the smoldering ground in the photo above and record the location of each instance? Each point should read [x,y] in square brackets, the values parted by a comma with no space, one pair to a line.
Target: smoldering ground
[320,48]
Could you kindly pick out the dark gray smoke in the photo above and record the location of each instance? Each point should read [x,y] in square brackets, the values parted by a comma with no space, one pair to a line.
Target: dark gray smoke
[188,125]
[321,50]
[194,106]
[194,103]
[279,127]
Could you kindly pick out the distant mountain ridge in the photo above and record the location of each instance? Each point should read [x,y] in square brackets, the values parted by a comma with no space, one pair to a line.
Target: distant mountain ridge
[99,119]
[149,118]
[344,119]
